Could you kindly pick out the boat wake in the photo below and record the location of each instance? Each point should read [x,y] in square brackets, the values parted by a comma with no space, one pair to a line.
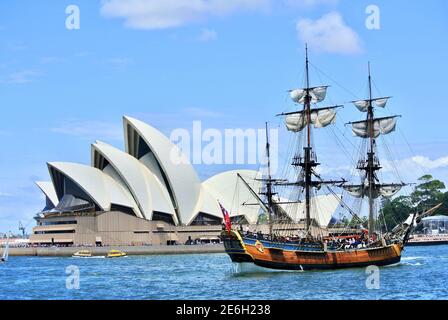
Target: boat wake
[394,265]
[412,258]
[250,268]
[412,261]
[94,257]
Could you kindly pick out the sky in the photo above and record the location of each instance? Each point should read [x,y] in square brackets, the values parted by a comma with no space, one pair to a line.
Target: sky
[227,63]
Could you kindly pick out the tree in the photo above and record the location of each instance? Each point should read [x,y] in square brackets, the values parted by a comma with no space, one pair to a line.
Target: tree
[395,211]
[428,193]
[263,218]
[356,222]
[444,209]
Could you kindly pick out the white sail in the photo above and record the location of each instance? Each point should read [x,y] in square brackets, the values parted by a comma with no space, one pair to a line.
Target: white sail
[363,105]
[389,190]
[319,118]
[355,191]
[380,126]
[298,95]
[317,94]
[381,102]
[386,190]
[6,253]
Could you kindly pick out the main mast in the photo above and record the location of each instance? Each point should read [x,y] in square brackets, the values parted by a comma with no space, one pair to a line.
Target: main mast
[307,164]
[306,118]
[370,169]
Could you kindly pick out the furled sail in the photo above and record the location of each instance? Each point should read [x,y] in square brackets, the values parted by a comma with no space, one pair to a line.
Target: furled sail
[380,126]
[384,190]
[320,118]
[317,94]
[363,105]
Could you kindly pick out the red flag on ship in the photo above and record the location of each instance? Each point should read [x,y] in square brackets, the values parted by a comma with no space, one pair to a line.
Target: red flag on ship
[227,221]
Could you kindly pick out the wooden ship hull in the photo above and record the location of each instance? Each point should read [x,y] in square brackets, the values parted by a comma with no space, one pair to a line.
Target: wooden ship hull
[286,256]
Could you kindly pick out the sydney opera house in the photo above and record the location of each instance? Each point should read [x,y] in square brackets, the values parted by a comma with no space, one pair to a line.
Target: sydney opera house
[140,196]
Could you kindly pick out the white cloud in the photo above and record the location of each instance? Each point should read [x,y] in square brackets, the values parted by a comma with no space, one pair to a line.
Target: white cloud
[411,169]
[427,163]
[406,169]
[410,165]
[91,130]
[203,113]
[118,62]
[18,46]
[342,170]
[207,35]
[160,14]
[82,54]
[6,195]
[50,59]
[329,34]
[309,3]
[21,77]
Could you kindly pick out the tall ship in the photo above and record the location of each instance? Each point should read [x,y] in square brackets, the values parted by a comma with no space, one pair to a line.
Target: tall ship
[276,244]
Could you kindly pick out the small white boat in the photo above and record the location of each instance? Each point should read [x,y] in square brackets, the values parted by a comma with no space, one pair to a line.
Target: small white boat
[5,253]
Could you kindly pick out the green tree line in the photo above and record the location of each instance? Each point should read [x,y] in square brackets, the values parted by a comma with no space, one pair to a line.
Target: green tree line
[428,193]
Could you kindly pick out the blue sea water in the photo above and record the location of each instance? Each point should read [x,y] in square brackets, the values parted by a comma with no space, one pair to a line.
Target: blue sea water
[422,274]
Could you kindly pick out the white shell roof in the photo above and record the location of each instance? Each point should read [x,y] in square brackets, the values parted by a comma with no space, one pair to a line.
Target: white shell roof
[100,187]
[208,204]
[157,182]
[146,189]
[232,193]
[48,189]
[183,182]
[322,209]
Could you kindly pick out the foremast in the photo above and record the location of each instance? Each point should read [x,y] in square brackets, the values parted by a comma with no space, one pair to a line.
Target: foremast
[372,128]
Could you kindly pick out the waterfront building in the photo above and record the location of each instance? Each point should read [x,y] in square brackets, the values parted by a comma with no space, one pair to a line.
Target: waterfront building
[431,231]
[435,225]
[143,195]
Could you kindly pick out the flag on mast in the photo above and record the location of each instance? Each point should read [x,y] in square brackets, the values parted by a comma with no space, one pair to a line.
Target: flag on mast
[226,215]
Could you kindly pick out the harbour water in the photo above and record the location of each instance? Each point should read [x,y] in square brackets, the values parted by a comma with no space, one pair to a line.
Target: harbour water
[422,274]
